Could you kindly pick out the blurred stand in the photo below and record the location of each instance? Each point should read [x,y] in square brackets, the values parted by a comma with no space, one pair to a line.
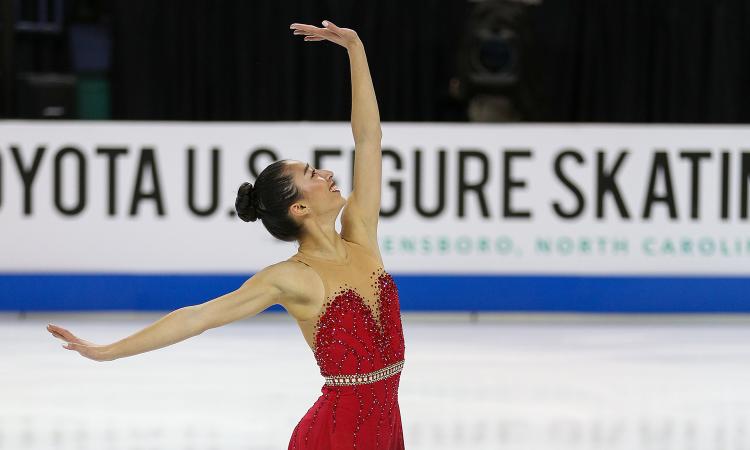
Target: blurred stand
[55,60]
[492,60]
[45,96]
[557,61]
[42,88]
[6,57]
[493,108]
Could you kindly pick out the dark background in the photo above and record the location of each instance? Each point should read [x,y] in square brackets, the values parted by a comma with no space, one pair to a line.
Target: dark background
[666,61]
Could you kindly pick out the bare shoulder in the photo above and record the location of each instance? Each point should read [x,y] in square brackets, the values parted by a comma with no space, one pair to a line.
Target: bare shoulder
[301,289]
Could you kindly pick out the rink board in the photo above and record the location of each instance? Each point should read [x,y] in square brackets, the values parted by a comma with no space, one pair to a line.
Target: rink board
[474,217]
[116,292]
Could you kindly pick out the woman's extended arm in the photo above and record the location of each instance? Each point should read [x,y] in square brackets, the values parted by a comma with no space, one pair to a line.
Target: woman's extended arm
[176,326]
[360,218]
[255,295]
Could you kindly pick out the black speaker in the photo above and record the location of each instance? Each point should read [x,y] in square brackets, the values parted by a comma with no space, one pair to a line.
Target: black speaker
[46,96]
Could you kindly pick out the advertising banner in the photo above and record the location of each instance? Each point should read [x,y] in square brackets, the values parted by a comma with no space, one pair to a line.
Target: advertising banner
[477,203]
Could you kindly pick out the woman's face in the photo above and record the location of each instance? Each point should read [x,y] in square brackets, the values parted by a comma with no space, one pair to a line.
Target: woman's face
[319,191]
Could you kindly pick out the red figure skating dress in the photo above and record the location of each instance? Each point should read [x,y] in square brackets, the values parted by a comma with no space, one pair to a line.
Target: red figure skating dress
[359,346]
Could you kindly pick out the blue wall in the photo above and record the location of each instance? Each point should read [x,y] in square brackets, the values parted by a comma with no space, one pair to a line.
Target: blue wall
[99,292]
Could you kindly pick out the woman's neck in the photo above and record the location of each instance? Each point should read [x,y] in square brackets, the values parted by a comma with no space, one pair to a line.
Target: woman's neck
[323,242]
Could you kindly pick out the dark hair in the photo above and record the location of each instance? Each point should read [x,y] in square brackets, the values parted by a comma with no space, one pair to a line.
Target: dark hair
[270,199]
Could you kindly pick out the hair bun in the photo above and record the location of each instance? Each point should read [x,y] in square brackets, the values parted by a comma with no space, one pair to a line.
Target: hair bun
[246,205]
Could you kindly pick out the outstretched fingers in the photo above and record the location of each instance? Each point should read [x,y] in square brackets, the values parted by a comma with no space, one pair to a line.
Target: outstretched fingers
[301,28]
[308,36]
[330,26]
[319,33]
[330,32]
[63,334]
[59,332]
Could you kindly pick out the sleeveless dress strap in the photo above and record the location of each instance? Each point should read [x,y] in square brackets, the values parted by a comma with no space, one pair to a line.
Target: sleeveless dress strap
[300,261]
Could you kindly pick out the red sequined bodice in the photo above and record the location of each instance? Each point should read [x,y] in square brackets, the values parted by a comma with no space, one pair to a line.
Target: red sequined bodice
[351,338]
[359,348]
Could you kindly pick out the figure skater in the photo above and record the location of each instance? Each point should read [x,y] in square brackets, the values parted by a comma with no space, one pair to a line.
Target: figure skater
[335,286]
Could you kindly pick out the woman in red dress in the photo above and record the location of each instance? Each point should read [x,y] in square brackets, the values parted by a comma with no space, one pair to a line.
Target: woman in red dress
[335,286]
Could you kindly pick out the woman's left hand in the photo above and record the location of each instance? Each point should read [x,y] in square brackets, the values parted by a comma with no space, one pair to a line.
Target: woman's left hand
[84,348]
[344,37]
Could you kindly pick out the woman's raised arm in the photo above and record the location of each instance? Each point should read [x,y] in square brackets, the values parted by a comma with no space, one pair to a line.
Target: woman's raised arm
[360,216]
[262,290]
[365,197]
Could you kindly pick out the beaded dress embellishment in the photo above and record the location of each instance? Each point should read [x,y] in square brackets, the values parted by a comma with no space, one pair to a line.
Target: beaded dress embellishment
[365,378]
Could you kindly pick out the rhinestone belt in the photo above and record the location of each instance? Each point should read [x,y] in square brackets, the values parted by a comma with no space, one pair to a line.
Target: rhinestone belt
[365,378]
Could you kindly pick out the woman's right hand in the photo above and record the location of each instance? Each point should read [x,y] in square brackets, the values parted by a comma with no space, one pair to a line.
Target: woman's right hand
[84,348]
[344,37]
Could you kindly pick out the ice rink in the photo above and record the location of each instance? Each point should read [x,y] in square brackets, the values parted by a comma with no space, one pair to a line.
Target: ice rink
[470,382]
